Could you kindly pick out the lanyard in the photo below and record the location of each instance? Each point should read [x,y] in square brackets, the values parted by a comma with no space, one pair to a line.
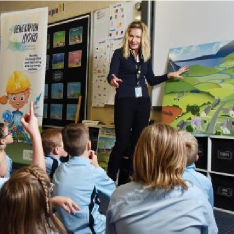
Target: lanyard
[138,73]
[138,69]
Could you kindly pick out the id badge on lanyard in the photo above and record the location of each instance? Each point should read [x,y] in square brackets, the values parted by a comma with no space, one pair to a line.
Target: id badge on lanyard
[138,89]
[138,92]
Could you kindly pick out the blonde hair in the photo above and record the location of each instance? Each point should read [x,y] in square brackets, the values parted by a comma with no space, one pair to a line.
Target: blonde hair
[25,204]
[51,138]
[191,146]
[160,158]
[145,41]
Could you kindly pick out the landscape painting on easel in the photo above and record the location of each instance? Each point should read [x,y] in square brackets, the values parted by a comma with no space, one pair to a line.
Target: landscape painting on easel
[202,102]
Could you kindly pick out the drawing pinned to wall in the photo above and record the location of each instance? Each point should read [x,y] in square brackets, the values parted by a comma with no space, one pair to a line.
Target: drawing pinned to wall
[117,20]
[45,113]
[75,35]
[203,101]
[59,39]
[48,41]
[101,64]
[57,91]
[47,62]
[71,111]
[73,90]
[57,76]
[56,111]
[74,58]
[46,91]
[58,61]
[115,44]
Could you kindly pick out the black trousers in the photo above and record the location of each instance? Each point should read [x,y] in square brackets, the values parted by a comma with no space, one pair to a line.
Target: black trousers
[130,114]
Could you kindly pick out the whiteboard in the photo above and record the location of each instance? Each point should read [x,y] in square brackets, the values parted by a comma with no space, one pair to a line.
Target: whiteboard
[103,48]
[184,23]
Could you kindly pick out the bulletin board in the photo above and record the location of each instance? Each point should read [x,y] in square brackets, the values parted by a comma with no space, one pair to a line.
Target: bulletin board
[66,71]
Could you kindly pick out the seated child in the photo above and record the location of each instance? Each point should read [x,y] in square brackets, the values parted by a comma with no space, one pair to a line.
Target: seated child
[83,181]
[158,200]
[5,161]
[190,173]
[53,149]
[27,193]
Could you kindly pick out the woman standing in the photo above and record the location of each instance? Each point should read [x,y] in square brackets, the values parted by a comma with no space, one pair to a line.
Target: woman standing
[130,68]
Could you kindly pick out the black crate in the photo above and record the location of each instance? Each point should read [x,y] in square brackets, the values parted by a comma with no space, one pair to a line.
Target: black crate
[202,152]
[223,191]
[222,155]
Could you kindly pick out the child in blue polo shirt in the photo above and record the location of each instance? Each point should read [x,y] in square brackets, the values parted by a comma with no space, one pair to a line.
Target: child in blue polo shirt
[190,173]
[83,181]
[53,149]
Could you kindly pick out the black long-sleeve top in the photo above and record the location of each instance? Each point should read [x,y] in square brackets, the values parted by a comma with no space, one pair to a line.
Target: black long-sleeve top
[125,69]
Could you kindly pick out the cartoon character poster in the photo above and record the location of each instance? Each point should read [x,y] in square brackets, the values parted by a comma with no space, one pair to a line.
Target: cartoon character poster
[23,63]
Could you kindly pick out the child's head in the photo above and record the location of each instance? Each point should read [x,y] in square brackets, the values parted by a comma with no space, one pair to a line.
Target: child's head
[76,139]
[25,203]
[191,147]
[52,142]
[160,157]
[5,136]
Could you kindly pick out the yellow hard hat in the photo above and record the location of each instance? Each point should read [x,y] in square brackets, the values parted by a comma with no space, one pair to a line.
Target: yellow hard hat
[17,82]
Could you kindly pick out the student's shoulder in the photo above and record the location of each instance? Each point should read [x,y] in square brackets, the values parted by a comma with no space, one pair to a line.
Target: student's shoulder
[193,192]
[124,190]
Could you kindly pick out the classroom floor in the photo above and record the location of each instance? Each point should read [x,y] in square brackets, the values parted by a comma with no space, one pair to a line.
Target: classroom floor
[225,222]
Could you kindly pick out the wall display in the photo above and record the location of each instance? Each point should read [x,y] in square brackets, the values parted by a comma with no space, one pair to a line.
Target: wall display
[47,62]
[75,35]
[109,26]
[46,91]
[202,102]
[45,108]
[67,75]
[58,61]
[57,91]
[74,58]
[56,111]
[117,20]
[71,111]
[59,39]
[23,64]
[73,90]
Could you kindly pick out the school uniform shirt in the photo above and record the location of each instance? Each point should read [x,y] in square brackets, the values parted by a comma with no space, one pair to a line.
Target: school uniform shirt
[134,209]
[201,181]
[49,160]
[82,182]
[9,166]
[125,69]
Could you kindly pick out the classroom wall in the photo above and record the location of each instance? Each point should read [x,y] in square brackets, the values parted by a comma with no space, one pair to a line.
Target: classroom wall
[72,9]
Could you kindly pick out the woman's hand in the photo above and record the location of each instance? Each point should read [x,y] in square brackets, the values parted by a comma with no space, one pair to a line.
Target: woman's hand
[66,203]
[115,81]
[177,74]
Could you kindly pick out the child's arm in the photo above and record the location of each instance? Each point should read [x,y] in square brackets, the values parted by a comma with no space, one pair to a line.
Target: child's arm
[103,183]
[30,124]
[66,203]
